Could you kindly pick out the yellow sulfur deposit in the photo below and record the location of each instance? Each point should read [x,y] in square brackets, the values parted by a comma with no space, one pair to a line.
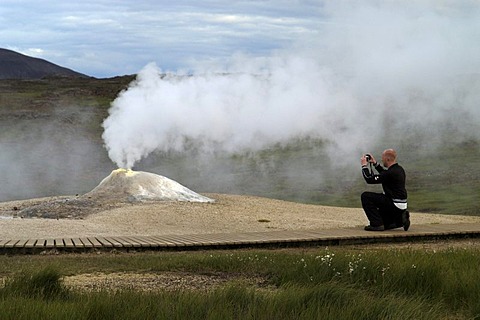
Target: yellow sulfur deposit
[127,172]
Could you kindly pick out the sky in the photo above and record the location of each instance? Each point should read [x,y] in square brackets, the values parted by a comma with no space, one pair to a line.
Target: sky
[105,38]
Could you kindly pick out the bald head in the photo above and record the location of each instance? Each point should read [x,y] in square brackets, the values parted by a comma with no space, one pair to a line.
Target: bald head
[389,157]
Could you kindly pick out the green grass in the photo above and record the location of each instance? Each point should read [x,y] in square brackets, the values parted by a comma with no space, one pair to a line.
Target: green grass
[338,283]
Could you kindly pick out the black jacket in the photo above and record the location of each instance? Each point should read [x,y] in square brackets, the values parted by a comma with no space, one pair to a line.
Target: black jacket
[392,180]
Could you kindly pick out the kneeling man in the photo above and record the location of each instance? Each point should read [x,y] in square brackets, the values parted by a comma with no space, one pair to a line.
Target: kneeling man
[387,210]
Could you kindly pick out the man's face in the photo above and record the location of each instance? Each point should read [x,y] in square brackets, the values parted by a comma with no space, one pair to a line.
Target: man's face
[384,160]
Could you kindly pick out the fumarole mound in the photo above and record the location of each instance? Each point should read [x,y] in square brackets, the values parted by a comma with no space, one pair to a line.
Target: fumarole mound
[122,186]
[140,185]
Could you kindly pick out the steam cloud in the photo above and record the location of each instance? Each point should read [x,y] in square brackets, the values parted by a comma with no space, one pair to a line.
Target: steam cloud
[374,71]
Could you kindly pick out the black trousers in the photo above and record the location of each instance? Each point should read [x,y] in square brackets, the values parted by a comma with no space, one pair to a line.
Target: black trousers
[380,210]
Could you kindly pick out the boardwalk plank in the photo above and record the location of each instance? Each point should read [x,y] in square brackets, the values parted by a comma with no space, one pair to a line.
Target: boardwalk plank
[148,241]
[95,243]
[86,243]
[3,242]
[300,236]
[104,242]
[125,242]
[30,243]
[201,240]
[223,239]
[114,242]
[136,243]
[190,240]
[78,243]
[59,243]
[50,243]
[68,243]
[21,244]
[40,243]
[11,243]
[154,241]
[166,241]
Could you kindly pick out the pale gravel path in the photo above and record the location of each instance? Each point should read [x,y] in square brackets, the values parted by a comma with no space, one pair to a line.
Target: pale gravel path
[230,213]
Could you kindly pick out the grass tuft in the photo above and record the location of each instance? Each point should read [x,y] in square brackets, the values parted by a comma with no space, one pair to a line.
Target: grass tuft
[45,284]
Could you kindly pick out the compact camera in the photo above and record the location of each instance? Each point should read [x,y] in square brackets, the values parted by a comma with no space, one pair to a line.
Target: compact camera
[368,157]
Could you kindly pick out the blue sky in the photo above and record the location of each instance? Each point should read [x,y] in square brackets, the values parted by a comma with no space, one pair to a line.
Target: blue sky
[104,38]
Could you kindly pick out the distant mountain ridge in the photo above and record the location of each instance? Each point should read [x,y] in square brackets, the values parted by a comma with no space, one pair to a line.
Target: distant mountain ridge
[14,65]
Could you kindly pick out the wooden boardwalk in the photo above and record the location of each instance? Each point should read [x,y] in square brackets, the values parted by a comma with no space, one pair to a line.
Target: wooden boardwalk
[343,236]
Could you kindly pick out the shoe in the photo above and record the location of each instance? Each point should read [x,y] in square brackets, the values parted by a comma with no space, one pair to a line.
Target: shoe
[406,220]
[393,226]
[372,228]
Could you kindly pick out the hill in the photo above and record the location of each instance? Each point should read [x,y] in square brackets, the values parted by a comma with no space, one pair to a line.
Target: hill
[14,65]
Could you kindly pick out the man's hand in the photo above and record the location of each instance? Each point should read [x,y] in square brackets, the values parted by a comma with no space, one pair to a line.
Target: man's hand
[364,162]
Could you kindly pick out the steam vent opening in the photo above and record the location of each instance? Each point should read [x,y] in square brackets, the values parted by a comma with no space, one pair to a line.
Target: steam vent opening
[139,185]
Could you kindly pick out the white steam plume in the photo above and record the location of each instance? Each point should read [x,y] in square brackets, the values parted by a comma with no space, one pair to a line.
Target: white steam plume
[374,70]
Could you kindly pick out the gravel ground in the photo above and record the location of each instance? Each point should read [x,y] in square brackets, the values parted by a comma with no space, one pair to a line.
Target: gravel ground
[229,213]
[170,281]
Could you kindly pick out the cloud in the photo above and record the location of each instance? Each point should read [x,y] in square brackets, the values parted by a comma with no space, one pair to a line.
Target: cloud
[170,33]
